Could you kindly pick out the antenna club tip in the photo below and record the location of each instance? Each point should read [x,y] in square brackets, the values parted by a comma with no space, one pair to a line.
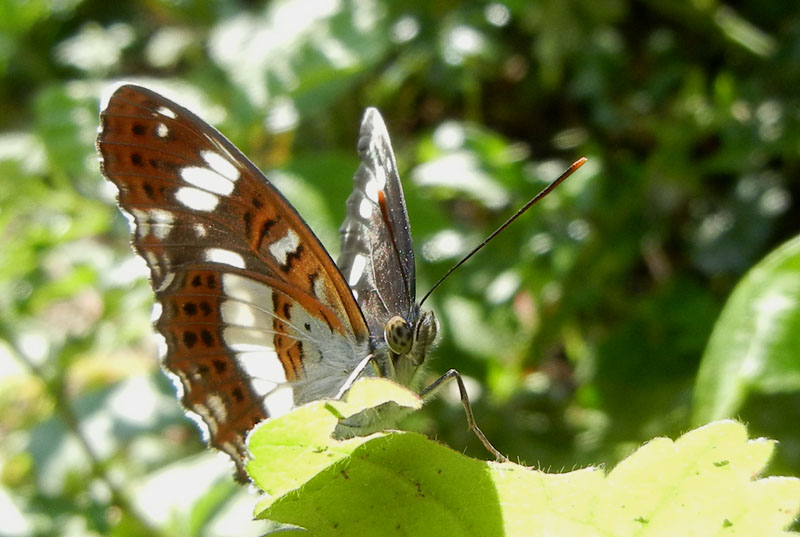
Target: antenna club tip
[549,188]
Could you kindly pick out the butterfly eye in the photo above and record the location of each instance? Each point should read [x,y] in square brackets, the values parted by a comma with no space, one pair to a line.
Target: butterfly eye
[398,335]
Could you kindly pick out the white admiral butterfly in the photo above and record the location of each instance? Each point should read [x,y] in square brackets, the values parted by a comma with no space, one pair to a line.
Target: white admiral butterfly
[256,316]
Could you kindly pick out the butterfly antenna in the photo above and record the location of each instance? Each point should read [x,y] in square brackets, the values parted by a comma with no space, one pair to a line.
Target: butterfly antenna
[549,188]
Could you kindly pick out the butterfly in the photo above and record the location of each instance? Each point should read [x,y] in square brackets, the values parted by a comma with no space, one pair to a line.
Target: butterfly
[256,316]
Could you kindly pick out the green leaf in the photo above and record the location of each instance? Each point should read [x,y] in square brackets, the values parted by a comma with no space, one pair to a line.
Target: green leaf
[314,61]
[753,347]
[399,483]
[291,449]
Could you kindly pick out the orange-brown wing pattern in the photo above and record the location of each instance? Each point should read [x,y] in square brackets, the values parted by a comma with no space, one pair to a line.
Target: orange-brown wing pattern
[251,302]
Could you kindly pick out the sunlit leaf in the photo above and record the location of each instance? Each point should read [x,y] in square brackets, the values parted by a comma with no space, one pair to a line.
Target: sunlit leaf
[754,346]
[403,484]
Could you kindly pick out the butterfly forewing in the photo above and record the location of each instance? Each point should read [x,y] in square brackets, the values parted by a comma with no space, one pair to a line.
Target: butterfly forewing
[377,255]
[251,301]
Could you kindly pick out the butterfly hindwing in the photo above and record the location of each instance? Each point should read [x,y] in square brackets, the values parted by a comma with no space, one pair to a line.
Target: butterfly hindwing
[377,256]
[255,314]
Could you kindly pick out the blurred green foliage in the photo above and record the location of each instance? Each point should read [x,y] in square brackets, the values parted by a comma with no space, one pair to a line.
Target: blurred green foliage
[583,325]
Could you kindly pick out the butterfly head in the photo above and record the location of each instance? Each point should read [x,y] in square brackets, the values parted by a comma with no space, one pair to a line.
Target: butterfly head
[408,342]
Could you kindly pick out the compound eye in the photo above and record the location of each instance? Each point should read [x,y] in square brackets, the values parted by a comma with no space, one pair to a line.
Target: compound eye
[398,335]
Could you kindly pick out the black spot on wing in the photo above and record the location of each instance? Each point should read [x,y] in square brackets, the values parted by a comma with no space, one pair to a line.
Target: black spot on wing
[291,258]
[189,339]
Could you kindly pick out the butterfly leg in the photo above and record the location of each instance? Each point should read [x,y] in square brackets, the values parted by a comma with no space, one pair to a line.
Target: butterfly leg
[362,365]
[438,383]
